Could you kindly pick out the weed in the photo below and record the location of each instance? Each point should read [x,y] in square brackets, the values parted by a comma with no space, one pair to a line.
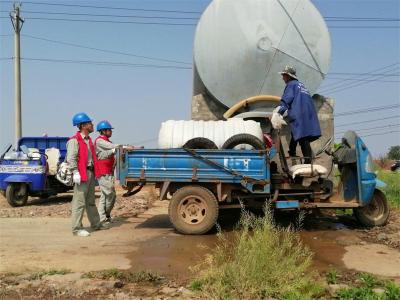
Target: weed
[368,280]
[196,285]
[124,276]
[392,190]
[392,291]
[357,293]
[41,274]
[261,261]
[365,289]
[332,276]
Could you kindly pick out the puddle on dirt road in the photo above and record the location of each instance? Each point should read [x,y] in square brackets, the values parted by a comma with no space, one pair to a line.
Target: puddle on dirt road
[172,254]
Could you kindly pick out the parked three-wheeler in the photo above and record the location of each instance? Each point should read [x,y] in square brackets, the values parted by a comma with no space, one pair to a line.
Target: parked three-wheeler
[203,181]
[30,169]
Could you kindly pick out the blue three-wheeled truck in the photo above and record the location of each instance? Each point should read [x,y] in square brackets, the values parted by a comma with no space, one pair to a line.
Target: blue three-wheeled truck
[30,170]
[203,181]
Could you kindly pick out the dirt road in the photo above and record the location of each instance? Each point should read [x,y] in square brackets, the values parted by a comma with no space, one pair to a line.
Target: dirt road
[146,241]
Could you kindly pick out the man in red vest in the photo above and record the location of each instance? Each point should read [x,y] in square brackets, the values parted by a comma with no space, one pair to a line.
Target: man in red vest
[105,151]
[82,161]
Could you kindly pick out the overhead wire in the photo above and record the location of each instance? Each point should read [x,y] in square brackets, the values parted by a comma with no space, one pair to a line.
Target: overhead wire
[110,21]
[106,7]
[104,63]
[367,110]
[368,121]
[333,88]
[371,128]
[381,133]
[106,50]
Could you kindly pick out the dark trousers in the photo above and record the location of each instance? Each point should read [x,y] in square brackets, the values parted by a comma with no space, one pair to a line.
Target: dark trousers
[305,148]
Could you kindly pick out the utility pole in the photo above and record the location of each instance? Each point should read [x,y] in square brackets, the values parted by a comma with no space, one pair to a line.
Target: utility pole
[17,23]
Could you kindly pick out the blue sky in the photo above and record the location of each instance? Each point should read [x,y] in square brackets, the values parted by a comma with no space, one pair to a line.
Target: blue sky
[136,100]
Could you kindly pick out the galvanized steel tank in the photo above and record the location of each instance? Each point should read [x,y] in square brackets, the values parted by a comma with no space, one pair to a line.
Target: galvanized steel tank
[241,45]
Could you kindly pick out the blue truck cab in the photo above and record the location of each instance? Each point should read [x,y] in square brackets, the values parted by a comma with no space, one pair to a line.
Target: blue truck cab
[30,169]
[200,182]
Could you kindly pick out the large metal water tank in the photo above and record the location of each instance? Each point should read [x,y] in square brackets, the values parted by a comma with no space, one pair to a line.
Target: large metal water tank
[241,45]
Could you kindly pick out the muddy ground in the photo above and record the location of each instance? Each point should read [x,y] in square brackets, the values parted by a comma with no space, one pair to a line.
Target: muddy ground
[37,237]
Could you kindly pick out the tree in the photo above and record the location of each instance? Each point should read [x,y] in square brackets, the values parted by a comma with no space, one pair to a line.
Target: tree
[394,152]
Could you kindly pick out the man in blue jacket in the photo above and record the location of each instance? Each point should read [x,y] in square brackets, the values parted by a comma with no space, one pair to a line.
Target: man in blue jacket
[302,116]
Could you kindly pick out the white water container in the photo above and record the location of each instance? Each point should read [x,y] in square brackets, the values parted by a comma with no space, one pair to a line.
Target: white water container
[174,134]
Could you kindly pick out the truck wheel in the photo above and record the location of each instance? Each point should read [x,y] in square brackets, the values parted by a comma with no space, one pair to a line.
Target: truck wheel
[200,143]
[376,213]
[244,139]
[193,210]
[17,194]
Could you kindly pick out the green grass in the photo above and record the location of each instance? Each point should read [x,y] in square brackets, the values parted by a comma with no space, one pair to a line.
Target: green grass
[392,191]
[261,261]
[332,276]
[39,275]
[362,287]
[125,276]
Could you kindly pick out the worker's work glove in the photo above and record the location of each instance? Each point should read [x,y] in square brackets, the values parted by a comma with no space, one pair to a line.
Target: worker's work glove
[76,177]
[277,119]
[128,147]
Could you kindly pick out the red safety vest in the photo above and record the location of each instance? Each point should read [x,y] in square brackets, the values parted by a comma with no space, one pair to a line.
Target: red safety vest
[83,156]
[105,166]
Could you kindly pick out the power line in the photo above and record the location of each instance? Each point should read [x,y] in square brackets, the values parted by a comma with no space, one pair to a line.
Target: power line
[104,63]
[368,74]
[105,50]
[109,21]
[330,19]
[368,121]
[362,80]
[106,15]
[381,133]
[355,19]
[367,110]
[174,24]
[365,27]
[108,7]
[375,134]
[339,88]
[371,128]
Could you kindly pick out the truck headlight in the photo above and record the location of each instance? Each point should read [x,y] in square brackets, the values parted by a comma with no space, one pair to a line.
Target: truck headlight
[370,166]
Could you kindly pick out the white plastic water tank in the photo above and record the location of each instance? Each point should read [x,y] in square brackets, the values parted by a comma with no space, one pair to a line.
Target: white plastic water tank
[174,134]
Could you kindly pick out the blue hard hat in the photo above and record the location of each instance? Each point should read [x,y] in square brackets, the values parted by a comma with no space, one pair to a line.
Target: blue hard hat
[80,118]
[104,125]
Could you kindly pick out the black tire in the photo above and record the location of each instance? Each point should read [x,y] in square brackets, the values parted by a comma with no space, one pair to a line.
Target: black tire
[17,194]
[193,210]
[200,143]
[376,213]
[244,138]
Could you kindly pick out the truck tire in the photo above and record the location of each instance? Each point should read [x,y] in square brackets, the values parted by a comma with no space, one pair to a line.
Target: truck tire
[17,194]
[193,210]
[376,213]
[244,139]
[200,143]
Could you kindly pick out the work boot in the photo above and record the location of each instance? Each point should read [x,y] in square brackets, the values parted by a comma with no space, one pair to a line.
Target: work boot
[102,226]
[108,220]
[81,232]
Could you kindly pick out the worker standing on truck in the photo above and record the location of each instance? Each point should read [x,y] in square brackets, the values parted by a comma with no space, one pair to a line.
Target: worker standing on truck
[303,119]
[105,151]
[82,162]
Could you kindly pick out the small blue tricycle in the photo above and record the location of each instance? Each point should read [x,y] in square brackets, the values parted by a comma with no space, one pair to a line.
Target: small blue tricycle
[30,169]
